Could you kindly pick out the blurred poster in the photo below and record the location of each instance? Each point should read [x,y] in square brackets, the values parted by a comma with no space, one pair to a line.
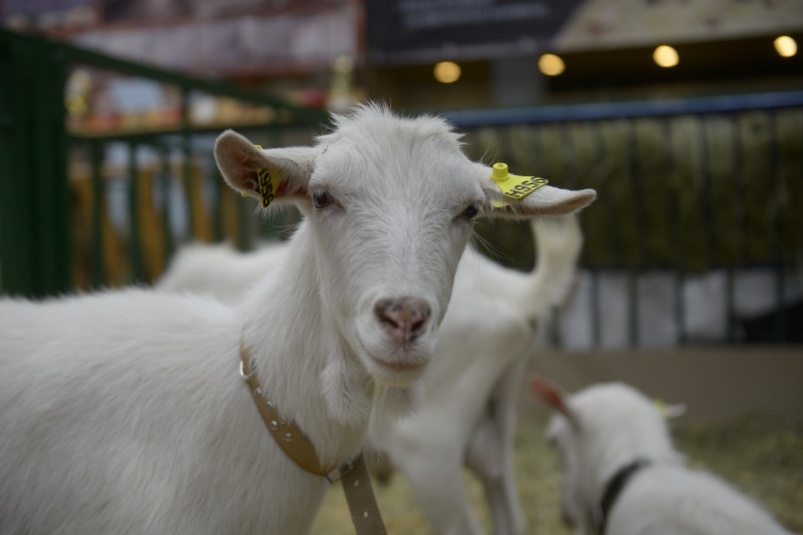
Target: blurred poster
[143,10]
[415,31]
[47,13]
[627,23]
[41,7]
[236,46]
[401,31]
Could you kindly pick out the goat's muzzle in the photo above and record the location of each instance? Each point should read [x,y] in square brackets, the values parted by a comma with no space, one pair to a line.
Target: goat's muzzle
[403,318]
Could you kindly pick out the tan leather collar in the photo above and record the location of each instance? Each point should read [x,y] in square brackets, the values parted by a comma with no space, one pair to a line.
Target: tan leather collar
[297,446]
[289,437]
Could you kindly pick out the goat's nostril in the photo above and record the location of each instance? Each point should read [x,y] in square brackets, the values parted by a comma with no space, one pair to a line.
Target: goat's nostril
[403,318]
[387,320]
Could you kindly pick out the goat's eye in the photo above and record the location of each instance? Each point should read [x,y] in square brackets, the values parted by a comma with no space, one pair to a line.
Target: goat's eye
[321,199]
[471,212]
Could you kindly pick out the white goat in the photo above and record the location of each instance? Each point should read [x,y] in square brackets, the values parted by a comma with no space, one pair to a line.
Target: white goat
[124,412]
[486,338]
[469,414]
[220,270]
[624,477]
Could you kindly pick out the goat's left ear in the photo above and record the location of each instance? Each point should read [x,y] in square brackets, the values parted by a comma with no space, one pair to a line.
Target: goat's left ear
[670,411]
[553,396]
[268,175]
[546,200]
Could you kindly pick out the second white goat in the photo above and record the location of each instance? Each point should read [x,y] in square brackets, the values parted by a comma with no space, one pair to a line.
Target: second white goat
[623,476]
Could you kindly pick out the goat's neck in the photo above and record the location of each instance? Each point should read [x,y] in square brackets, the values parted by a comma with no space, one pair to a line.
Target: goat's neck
[303,363]
[603,458]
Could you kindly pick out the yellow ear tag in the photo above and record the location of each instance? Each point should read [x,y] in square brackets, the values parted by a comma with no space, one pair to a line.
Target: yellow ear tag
[514,186]
[268,182]
[668,411]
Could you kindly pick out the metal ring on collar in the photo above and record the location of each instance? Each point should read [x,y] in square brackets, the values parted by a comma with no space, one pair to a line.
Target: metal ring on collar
[243,374]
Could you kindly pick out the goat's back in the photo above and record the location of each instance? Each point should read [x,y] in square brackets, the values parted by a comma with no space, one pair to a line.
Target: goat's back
[220,270]
[673,500]
[123,413]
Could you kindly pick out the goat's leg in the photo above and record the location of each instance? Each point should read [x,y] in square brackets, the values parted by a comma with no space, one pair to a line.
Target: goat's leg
[440,490]
[500,483]
[484,458]
[501,493]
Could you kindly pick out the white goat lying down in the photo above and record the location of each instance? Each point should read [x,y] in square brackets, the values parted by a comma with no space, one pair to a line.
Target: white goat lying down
[624,477]
[124,412]
[469,412]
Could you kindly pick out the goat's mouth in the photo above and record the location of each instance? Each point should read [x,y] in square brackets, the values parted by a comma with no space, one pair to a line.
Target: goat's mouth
[391,360]
[401,366]
[395,366]
[396,372]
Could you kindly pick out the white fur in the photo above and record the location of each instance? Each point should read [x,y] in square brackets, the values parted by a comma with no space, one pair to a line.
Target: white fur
[123,412]
[220,270]
[469,414]
[615,425]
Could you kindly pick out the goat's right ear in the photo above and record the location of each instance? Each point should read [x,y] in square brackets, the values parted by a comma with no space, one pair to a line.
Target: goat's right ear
[268,175]
[554,397]
[545,200]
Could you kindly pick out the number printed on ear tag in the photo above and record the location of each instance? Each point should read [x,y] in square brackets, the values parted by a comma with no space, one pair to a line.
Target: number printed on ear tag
[268,182]
[265,185]
[515,186]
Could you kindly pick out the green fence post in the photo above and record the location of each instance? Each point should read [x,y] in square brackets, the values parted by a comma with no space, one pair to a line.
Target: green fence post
[54,237]
[167,197]
[98,211]
[16,190]
[34,205]
[135,248]
[186,161]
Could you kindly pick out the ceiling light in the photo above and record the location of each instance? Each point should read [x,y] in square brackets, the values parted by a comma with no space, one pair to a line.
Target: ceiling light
[785,46]
[665,56]
[551,65]
[447,72]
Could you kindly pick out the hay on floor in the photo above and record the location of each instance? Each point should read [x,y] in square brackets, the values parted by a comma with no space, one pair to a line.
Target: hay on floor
[762,458]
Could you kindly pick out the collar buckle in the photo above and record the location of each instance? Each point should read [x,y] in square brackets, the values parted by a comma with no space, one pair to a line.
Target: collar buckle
[337,474]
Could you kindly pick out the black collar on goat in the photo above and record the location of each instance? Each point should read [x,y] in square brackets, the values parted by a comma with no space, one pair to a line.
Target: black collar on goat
[616,484]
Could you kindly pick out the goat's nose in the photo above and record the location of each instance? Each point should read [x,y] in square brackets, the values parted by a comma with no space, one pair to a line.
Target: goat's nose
[403,318]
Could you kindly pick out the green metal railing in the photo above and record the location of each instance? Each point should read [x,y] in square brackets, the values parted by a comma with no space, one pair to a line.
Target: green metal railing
[35,207]
[687,188]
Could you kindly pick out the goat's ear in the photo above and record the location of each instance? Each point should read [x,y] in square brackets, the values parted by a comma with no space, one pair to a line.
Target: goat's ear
[554,397]
[670,411]
[265,174]
[546,200]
